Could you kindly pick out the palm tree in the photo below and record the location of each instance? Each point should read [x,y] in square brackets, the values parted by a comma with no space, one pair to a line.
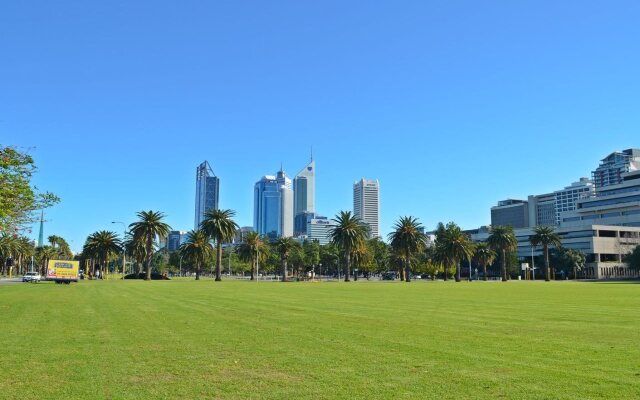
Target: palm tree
[8,248]
[220,226]
[503,240]
[197,249]
[361,257]
[285,246]
[136,249]
[407,239]
[251,249]
[545,236]
[150,225]
[44,254]
[103,245]
[484,256]
[456,245]
[25,250]
[348,233]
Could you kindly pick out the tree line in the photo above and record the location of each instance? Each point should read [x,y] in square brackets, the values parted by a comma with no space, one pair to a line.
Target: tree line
[350,253]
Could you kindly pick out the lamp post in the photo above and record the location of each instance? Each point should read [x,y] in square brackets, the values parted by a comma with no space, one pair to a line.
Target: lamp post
[320,265]
[533,266]
[180,271]
[124,251]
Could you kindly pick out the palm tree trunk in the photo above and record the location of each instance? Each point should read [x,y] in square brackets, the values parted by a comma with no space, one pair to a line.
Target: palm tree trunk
[446,272]
[407,269]
[458,279]
[284,269]
[347,267]
[504,265]
[198,271]
[149,256]
[253,269]
[484,271]
[547,275]
[218,260]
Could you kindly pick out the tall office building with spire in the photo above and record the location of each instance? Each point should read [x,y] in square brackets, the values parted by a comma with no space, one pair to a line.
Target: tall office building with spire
[207,191]
[273,206]
[366,204]
[304,195]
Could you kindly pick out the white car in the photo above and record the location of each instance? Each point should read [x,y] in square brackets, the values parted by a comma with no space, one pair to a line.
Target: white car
[31,277]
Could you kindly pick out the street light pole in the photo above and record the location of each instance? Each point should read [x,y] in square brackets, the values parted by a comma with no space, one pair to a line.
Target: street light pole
[180,273]
[124,251]
[533,265]
[257,265]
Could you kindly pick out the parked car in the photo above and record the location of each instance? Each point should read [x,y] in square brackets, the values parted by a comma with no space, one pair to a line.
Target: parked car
[31,277]
[388,276]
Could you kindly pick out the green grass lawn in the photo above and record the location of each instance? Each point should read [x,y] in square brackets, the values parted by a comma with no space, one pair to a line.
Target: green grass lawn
[236,340]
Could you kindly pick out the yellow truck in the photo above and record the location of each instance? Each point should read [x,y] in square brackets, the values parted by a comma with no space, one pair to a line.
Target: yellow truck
[63,271]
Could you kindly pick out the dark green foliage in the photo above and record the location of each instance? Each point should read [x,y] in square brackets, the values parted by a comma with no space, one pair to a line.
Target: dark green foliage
[221,227]
[503,241]
[407,239]
[18,198]
[633,259]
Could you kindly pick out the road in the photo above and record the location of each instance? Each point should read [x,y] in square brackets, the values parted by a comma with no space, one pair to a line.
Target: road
[7,281]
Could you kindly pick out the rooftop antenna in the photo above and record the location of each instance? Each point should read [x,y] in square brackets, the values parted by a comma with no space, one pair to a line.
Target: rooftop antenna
[311,152]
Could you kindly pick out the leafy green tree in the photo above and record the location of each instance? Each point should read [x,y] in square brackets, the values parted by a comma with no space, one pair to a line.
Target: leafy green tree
[407,239]
[103,245]
[567,260]
[284,246]
[348,233]
[633,259]
[455,246]
[329,258]
[197,249]
[484,255]
[18,198]
[380,254]
[545,236]
[149,227]
[503,240]
[312,252]
[221,227]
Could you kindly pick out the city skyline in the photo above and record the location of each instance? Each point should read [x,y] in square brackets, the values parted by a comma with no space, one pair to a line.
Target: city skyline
[451,106]
[485,214]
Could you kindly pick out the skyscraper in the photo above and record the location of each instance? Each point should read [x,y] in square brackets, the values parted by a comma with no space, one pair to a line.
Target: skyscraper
[611,168]
[366,204]
[174,240]
[304,190]
[273,206]
[207,191]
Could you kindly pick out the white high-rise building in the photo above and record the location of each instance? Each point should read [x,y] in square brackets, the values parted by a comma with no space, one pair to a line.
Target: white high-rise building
[207,192]
[304,190]
[273,206]
[567,198]
[366,204]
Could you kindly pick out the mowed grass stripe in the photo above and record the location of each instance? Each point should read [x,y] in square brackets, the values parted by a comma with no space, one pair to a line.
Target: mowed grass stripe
[203,339]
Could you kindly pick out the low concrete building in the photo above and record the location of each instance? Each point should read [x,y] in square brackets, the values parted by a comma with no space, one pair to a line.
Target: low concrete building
[603,245]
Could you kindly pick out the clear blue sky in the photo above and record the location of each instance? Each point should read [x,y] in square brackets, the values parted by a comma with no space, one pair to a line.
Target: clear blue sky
[452,105]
